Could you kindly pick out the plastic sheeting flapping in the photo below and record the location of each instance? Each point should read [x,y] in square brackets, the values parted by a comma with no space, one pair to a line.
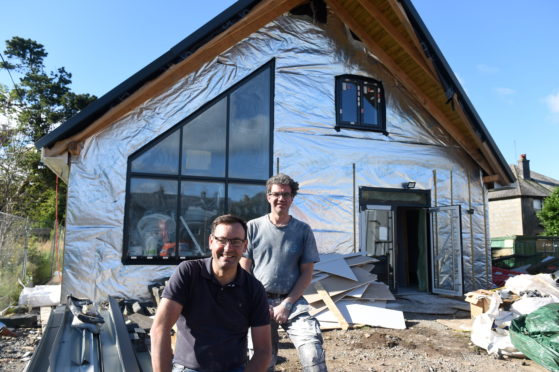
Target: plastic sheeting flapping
[307,56]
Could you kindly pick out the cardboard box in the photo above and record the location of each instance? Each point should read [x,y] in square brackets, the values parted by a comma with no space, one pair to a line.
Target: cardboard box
[479,301]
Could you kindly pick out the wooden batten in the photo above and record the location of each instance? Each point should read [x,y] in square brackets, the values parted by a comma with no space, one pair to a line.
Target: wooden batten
[263,13]
[491,178]
[491,157]
[404,43]
[74,148]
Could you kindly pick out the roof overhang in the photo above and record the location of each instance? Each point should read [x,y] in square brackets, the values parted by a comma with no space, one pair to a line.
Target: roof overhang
[392,30]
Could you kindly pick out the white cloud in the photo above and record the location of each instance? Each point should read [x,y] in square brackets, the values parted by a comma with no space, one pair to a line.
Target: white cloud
[487,69]
[552,101]
[505,91]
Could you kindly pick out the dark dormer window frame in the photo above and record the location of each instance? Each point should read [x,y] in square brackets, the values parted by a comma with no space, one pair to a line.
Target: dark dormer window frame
[360,104]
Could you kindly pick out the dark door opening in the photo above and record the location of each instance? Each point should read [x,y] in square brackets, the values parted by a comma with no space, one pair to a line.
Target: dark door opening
[411,256]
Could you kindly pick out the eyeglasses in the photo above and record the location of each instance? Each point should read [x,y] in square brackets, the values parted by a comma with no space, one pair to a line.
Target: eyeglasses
[286,195]
[235,243]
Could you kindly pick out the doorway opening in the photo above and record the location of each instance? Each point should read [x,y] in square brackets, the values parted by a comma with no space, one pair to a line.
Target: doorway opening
[395,230]
[411,251]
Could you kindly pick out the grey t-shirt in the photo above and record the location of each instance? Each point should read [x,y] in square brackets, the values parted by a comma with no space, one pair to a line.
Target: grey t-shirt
[277,252]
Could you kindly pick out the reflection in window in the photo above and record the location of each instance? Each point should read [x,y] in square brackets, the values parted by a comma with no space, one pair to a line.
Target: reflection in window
[360,103]
[249,130]
[371,100]
[247,201]
[161,158]
[537,203]
[348,102]
[151,216]
[203,144]
[201,202]
[218,160]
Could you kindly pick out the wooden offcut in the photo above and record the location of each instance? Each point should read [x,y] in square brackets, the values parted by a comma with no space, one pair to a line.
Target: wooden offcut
[331,305]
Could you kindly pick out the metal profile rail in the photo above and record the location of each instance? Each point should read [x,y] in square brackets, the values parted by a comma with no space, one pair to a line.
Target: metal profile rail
[64,347]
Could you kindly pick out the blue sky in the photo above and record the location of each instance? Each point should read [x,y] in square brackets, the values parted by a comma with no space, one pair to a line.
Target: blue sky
[504,52]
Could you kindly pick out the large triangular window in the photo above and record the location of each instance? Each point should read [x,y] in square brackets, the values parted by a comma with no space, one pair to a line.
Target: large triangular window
[216,161]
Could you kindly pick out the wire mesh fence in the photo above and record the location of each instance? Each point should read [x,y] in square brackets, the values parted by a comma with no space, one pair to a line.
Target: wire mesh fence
[14,240]
[28,256]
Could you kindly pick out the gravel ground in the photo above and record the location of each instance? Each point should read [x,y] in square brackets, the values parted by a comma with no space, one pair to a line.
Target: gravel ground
[425,345]
[16,352]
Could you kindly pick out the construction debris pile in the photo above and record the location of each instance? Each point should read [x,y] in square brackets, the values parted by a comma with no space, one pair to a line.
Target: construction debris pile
[345,293]
[522,297]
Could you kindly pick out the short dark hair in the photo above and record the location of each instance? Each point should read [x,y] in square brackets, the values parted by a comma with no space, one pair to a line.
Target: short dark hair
[282,179]
[229,219]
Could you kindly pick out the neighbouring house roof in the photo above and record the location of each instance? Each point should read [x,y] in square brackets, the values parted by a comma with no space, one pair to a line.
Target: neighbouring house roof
[538,186]
[391,29]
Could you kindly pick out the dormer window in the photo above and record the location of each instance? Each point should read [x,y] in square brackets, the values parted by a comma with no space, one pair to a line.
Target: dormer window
[360,103]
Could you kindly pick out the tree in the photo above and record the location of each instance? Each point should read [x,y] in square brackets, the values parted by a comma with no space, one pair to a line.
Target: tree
[38,103]
[549,214]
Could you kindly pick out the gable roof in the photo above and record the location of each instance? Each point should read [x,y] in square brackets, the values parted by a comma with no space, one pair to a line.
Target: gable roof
[391,29]
[537,186]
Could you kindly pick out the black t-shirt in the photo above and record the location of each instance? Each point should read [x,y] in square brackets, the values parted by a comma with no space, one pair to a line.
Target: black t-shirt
[213,325]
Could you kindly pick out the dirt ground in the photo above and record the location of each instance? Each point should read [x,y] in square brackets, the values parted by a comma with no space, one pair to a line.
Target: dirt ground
[426,345]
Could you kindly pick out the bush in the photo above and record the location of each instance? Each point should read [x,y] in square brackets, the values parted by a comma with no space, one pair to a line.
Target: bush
[9,288]
[549,214]
[38,263]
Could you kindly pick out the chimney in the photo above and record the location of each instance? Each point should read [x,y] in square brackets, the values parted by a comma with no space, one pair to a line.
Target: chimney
[524,167]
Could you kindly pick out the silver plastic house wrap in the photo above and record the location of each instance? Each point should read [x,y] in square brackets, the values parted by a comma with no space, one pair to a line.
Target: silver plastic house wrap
[351,181]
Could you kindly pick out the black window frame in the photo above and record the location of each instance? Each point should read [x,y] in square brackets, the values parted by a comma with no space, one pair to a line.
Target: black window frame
[179,177]
[360,81]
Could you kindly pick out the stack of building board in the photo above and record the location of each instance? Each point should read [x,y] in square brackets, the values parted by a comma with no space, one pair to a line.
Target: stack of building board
[344,292]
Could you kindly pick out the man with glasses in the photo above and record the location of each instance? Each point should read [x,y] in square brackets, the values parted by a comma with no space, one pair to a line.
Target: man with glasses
[213,302]
[281,254]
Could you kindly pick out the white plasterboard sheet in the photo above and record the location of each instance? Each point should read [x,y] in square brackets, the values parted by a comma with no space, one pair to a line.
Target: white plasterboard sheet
[366,313]
[363,275]
[318,306]
[325,257]
[378,291]
[358,292]
[335,285]
[360,260]
[418,308]
[319,276]
[337,267]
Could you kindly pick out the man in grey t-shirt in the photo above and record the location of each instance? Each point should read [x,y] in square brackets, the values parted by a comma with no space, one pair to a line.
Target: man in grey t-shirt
[281,255]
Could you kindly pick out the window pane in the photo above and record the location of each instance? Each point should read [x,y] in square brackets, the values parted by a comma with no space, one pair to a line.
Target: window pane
[201,202]
[370,104]
[203,146]
[248,201]
[249,131]
[152,212]
[163,158]
[349,102]
[537,204]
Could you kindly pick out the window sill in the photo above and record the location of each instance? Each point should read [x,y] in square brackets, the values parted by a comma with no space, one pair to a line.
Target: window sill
[156,260]
[361,128]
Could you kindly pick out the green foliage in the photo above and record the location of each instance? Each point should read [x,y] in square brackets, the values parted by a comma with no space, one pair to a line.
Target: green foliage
[549,214]
[9,289]
[40,101]
[39,264]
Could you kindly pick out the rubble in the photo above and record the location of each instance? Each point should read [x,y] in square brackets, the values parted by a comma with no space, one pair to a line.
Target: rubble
[345,293]
[521,295]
